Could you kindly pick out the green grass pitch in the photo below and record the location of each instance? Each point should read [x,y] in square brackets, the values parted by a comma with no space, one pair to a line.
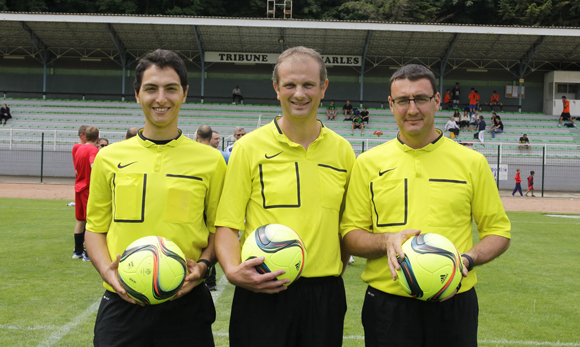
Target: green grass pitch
[527,297]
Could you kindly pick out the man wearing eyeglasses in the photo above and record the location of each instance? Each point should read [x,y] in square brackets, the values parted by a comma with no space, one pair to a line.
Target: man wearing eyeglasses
[420,182]
[238,133]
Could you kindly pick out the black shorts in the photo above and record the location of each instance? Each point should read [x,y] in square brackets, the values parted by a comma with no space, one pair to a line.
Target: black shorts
[309,313]
[565,116]
[357,125]
[397,321]
[184,322]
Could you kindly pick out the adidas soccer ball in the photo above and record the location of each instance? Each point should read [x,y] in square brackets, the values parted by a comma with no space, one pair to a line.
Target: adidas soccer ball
[281,247]
[431,269]
[152,270]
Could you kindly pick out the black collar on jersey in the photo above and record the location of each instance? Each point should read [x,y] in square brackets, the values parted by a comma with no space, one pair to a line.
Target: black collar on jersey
[280,130]
[434,141]
[157,142]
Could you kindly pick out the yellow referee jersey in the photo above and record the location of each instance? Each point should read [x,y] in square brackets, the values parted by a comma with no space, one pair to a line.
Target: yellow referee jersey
[271,179]
[141,189]
[436,189]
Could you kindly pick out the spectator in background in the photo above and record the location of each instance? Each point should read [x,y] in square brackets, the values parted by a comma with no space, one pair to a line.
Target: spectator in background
[131,132]
[455,94]
[237,95]
[565,112]
[451,125]
[238,133]
[206,136]
[472,101]
[80,225]
[83,163]
[496,127]
[331,110]
[5,113]
[531,184]
[447,100]
[473,120]
[365,115]
[215,140]
[495,101]
[477,100]
[462,121]
[347,109]
[524,143]
[103,142]
[481,129]
[518,187]
[357,122]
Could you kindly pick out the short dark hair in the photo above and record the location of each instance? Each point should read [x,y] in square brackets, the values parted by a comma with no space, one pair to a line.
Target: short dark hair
[92,134]
[564,97]
[525,134]
[161,58]
[131,132]
[494,91]
[532,172]
[204,132]
[414,72]
[83,129]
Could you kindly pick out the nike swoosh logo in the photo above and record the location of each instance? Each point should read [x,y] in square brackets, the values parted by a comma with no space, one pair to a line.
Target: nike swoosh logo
[267,157]
[384,172]
[124,166]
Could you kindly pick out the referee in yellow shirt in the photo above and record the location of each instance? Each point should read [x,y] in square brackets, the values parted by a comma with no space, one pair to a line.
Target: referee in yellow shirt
[420,182]
[156,183]
[293,171]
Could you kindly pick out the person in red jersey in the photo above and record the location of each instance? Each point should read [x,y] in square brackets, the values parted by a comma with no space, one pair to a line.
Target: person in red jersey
[83,158]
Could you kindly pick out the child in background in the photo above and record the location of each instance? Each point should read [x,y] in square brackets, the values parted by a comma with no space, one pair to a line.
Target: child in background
[531,184]
[518,183]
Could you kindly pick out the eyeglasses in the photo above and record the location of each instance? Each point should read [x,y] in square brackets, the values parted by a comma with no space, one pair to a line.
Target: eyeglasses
[239,135]
[419,101]
[103,145]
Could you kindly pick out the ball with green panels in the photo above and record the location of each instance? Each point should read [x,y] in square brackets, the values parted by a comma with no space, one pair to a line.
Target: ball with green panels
[152,270]
[431,269]
[281,247]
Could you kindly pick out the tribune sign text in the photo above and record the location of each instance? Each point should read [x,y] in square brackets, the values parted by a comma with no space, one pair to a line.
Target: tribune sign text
[270,58]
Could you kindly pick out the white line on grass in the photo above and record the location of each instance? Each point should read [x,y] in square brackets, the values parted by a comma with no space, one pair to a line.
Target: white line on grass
[221,285]
[34,208]
[529,343]
[35,327]
[62,331]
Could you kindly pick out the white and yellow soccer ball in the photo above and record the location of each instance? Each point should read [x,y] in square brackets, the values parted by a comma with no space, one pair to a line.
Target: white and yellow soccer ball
[282,248]
[431,269]
[152,270]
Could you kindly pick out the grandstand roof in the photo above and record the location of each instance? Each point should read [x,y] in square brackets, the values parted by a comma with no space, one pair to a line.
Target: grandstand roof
[93,36]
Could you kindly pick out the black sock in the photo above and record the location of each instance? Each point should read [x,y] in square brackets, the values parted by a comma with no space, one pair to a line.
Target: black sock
[79,240]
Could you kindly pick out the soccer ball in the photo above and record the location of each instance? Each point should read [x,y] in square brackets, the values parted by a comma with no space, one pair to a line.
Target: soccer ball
[152,270]
[281,247]
[431,269]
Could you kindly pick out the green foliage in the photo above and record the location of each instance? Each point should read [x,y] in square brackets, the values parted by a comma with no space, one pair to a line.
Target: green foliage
[50,299]
[489,12]
[389,10]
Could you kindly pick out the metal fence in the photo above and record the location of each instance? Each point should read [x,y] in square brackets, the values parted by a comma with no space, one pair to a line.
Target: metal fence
[48,153]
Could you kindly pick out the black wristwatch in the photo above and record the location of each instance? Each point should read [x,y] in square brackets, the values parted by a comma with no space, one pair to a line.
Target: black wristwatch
[470,267]
[208,270]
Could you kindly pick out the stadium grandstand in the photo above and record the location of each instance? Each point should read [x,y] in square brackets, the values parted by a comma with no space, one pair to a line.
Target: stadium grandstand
[60,71]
